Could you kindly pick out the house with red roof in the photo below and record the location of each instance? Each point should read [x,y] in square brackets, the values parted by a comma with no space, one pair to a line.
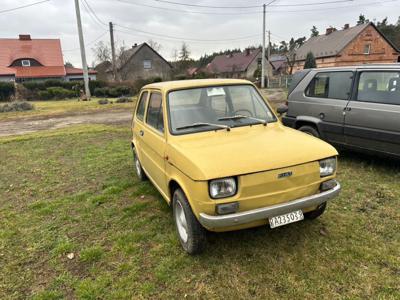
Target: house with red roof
[238,65]
[27,59]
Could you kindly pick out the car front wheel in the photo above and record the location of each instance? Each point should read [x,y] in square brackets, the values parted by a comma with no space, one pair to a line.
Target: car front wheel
[190,232]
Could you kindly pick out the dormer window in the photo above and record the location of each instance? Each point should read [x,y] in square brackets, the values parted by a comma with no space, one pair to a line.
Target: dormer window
[26,63]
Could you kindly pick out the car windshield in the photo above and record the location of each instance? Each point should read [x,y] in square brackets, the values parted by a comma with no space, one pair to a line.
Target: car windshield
[217,107]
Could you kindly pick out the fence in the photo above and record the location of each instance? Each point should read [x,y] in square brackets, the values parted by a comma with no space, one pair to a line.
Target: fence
[282,81]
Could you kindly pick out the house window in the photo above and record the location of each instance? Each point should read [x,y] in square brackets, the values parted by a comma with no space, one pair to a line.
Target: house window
[147,64]
[26,63]
[367,49]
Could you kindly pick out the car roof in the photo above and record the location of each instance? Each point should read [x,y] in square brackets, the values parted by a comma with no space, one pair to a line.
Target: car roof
[362,67]
[193,83]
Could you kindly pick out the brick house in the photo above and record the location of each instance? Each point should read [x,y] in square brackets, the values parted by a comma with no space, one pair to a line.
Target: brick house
[362,44]
[139,62]
[27,59]
[238,65]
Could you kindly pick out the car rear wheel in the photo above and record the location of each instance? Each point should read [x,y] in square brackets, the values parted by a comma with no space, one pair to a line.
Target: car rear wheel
[310,130]
[190,232]
[315,213]
[138,166]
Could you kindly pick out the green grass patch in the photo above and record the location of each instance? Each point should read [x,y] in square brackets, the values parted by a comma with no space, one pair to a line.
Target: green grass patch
[74,191]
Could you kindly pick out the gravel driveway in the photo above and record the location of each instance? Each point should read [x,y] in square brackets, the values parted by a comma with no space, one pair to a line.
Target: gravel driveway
[26,125]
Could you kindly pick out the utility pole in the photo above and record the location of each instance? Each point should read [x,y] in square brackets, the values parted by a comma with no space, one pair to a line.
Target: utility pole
[83,54]
[113,51]
[269,45]
[263,51]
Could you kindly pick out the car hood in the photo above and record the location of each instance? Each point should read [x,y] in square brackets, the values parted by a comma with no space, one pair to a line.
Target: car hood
[243,150]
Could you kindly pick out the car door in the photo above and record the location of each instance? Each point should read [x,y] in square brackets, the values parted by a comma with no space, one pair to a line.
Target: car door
[324,100]
[372,118]
[138,122]
[153,141]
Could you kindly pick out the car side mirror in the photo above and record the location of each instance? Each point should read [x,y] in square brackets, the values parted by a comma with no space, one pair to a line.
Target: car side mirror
[282,109]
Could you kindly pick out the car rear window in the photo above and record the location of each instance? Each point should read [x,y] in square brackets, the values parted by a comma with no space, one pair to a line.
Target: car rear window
[379,87]
[332,85]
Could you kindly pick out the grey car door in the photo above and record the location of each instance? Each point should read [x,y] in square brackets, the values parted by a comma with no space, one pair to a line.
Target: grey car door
[372,119]
[327,96]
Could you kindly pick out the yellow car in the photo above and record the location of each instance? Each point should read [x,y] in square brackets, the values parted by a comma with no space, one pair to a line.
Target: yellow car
[220,157]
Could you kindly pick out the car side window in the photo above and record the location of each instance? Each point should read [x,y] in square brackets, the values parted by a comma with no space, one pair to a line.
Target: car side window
[379,87]
[155,116]
[141,106]
[332,85]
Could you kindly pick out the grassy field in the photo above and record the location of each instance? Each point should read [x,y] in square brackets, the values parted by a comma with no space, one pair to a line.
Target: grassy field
[64,107]
[74,191]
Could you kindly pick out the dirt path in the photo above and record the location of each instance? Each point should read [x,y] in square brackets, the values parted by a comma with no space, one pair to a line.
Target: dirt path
[26,125]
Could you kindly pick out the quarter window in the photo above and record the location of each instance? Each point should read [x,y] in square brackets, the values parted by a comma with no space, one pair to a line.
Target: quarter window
[379,87]
[155,112]
[332,85]
[141,106]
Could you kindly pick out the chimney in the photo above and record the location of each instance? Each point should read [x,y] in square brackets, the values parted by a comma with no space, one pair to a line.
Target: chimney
[330,30]
[247,51]
[346,26]
[24,37]
[134,45]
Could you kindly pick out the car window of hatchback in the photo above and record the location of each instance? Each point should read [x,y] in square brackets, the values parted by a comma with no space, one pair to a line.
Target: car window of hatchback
[218,107]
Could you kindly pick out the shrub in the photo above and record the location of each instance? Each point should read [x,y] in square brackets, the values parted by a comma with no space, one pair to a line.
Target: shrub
[95,84]
[102,101]
[56,93]
[7,90]
[101,92]
[16,106]
[34,86]
[124,100]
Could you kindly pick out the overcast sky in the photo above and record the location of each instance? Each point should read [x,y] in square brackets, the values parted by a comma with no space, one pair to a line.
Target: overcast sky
[57,19]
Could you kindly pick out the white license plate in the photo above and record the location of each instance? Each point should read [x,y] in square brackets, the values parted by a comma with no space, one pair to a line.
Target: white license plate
[291,217]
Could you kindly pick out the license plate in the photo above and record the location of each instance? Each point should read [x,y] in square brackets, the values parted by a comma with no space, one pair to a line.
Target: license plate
[291,217]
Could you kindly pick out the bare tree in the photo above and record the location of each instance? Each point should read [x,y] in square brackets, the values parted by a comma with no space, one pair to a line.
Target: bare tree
[102,52]
[123,55]
[174,54]
[155,45]
[184,52]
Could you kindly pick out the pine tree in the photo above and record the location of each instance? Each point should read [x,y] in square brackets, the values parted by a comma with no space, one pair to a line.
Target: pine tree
[310,61]
[314,31]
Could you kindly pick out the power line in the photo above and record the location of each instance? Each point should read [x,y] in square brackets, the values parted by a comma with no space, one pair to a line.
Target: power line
[24,6]
[92,12]
[252,6]
[88,44]
[185,38]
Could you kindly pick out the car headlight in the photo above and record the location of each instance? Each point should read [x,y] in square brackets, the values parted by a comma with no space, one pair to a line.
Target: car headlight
[222,188]
[327,166]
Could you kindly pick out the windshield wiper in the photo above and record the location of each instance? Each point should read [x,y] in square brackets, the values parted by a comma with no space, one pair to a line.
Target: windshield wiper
[237,117]
[201,124]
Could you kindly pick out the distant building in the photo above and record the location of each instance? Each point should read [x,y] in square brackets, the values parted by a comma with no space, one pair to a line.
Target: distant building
[279,64]
[27,59]
[139,62]
[362,44]
[238,65]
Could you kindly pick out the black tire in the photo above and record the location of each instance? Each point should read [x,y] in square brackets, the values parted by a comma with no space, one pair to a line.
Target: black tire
[310,130]
[196,236]
[138,166]
[311,215]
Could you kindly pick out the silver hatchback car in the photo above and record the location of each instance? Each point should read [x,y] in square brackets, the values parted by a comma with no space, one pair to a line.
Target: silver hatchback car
[356,107]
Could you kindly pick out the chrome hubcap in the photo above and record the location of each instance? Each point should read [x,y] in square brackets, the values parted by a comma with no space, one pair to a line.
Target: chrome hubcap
[180,220]
[138,167]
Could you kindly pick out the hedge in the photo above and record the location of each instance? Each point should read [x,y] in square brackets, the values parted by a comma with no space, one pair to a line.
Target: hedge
[7,90]
[57,93]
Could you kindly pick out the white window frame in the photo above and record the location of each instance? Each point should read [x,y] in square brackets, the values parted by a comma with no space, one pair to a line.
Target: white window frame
[367,46]
[26,63]
[147,64]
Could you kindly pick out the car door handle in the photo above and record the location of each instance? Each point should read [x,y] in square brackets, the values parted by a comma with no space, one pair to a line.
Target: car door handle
[347,109]
[141,133]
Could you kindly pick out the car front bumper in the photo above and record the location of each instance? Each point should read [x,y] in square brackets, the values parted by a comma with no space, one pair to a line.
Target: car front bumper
[263,213]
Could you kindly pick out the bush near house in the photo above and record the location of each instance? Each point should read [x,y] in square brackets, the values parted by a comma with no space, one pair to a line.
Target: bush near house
[7,90]
[57,93]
